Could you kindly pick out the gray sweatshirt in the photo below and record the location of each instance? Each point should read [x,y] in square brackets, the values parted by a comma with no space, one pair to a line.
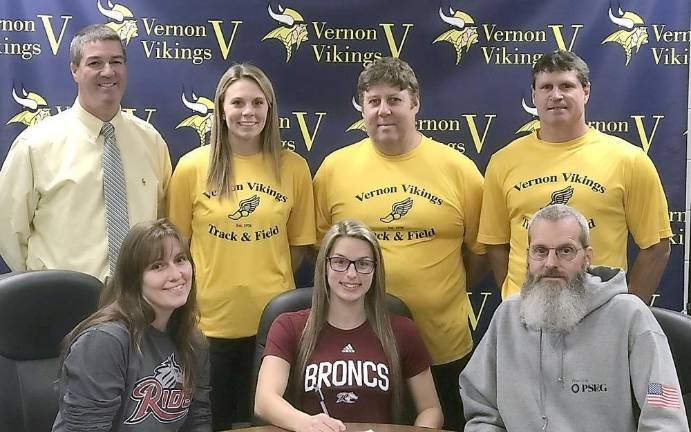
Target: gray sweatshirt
[591,379]
[107,384]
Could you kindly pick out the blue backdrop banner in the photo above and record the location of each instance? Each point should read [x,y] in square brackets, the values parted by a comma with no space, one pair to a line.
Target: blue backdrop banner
[472,58]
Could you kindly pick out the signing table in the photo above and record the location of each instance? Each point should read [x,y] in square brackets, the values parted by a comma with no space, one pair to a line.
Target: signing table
[350,427]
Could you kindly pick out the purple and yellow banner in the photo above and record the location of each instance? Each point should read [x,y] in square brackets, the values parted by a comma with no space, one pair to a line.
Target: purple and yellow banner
[472,58]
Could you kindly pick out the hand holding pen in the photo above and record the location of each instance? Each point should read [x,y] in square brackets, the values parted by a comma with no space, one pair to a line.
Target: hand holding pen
[322,422]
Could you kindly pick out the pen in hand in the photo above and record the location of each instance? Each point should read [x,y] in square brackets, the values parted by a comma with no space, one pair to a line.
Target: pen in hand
[321,400]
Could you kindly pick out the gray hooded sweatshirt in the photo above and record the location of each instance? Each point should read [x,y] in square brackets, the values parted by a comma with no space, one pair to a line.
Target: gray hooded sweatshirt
[594,378]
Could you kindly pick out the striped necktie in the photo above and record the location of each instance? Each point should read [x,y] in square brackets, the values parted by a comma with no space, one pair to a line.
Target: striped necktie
[114,194]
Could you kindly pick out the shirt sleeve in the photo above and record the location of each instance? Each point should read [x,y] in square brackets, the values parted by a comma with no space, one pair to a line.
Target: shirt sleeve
[478,387]
[473,185]
[282,340]
[199,414]
[301,225]
[93,381]
[179,197]
[19,200]
[645,204]
[412,350]
[322,205]
[654,381]
[495,223]
[166,170]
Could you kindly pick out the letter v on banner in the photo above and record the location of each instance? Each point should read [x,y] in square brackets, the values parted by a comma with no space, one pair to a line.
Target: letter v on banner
[391,40]
[304,129]
[472,318]
[559,37]
[646,141]
[50,34]
[220,38]
[472,127]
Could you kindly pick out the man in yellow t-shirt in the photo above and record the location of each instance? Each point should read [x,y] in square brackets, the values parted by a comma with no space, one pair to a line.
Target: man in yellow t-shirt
[612,182]
[422,199]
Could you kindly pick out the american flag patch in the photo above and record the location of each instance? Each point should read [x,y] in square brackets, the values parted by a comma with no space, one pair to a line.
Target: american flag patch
[661,395]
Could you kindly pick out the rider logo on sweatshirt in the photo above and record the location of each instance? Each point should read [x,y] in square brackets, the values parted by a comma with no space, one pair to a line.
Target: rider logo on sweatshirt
[157,396]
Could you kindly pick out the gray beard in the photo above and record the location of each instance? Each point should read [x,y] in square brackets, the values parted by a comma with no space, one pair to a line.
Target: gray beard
[553,306]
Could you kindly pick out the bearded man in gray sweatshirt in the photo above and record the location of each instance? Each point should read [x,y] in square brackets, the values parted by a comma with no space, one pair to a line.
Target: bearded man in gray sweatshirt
[574,351]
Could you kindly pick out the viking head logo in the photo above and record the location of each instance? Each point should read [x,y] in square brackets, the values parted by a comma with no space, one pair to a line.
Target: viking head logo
[533,124]
[246,206]
[122,20]
[398,210]
[168,373]
[292,30]
[463,32]
[202,117]
[359,124]
[632,33]
[35,108]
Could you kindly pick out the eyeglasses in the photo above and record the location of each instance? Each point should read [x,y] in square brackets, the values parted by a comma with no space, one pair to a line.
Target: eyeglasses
[342,264]
[566,253]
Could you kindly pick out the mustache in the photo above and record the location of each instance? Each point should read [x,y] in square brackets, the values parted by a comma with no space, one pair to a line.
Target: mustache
[551,273]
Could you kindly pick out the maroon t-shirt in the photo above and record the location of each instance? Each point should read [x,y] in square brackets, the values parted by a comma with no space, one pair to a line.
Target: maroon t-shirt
[348,366]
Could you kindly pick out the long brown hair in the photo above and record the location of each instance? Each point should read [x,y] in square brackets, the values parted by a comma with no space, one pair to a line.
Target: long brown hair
[122,298]
[375,309]
[220,177]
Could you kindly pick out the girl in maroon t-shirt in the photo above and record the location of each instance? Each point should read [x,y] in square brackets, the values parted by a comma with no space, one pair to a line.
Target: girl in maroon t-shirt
[347,359]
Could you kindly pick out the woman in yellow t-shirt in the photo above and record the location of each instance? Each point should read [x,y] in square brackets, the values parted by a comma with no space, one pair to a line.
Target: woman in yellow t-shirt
[246,205]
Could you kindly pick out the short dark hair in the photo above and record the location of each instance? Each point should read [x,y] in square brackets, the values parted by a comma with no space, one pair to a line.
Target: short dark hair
[562,61]
[391,71]
[92,33]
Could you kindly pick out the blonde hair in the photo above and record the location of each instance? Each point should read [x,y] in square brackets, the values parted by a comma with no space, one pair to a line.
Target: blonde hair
[375,308]
[220,177]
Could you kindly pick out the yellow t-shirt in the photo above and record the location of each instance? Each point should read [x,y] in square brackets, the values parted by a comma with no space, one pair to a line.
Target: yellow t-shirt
[240,245]
[613,183]
[422,205]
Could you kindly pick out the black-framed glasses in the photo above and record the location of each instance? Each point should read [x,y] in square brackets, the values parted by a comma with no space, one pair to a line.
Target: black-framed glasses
[342,264]
[566,252]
